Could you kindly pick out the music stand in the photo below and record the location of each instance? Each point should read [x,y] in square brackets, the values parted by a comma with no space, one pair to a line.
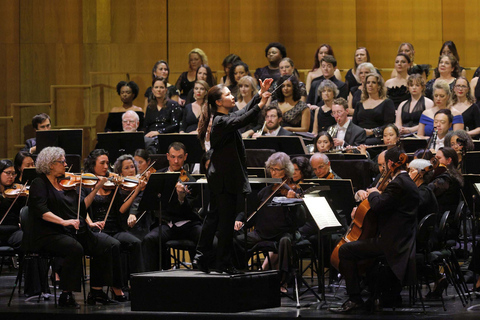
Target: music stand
[190,140]
[413,144]
[287,144]
[29,174]
[471,161]
[256,172]
[118,143]
[71,140]
[157,194]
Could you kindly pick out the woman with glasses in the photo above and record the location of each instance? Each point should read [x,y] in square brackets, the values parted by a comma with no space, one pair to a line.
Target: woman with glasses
[463,101]
[447,70]
[57,230]
[128,92]
[277,223]
[10,233]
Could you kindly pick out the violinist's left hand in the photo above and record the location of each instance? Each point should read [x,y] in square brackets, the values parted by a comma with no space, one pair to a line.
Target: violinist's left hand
[132,220]
[141,184]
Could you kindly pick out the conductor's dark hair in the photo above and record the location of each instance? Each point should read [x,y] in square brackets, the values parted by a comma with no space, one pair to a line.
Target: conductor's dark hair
[213,95]
[277,45]
[91,159]
[132,85]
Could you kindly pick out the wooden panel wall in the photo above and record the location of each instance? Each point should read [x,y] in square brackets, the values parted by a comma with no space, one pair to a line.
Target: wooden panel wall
[47,42]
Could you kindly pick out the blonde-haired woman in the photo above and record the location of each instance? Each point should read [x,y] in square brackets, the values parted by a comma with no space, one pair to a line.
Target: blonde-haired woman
[442,99]
[374,111]
[186,81]
[192,111]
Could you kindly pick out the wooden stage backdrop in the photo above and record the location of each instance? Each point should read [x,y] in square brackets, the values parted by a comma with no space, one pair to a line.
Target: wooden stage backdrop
[66,56]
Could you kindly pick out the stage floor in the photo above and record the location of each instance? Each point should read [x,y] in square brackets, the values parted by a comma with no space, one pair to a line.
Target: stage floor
[46,309]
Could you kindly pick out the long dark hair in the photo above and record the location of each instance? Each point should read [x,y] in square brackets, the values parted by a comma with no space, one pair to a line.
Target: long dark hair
[296,95]
[304,166]
[355,61]
[452,47]
[452,167]
[18,161]
[231,73]
[4,164]
[320,134]
[156,66]
[214,94]
[210,79]
[316,63]
[153,100]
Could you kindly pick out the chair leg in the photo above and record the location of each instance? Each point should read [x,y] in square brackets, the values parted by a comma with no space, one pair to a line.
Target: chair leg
[84,273]
[19,276]
[55,283]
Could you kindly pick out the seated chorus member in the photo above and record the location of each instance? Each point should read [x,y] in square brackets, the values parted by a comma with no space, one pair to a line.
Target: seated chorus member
[463,102]
[161,70]
[397,90]
[274,52]
[186,81]
[323,50]
[328,65]
[128,92]
[40,122]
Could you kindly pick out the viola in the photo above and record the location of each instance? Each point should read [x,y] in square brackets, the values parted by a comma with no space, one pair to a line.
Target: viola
[16,190]
[364,225]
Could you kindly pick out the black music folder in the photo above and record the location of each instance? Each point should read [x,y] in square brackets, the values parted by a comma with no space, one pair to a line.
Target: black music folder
[288,144]
[70,140]
[118,143]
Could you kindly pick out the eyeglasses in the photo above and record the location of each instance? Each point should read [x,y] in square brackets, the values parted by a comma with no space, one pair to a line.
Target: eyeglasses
[61,161]
[276,170]
[334,113]
[10,173]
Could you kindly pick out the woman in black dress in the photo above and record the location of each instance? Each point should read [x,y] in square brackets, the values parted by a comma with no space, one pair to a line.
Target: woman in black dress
[351,79]
[274,52]
[323,50]
[192,111]
[128,92]
[449,47]
[374,111]
[463,101]
[163,115]
[322,117]
[109,209]
[227,172]
[227,64]
[410,111]
[355,94]
[447,70]
[186,81]
[57,230]
[204,73]
[397,90]
[161,70]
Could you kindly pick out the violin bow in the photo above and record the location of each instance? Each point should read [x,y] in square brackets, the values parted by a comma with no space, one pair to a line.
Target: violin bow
[110,206]
[141,216]
[79,199]
[11,206]
[141,175]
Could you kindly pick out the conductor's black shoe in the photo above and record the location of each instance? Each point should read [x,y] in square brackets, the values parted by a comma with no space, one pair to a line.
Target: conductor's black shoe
[199,263]
[99,296]
[231,270]
[348,306]
[67,300]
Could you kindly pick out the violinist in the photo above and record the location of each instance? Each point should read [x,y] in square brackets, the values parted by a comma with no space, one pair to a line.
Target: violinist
[61,229]
[461,142]
[143,160]
[22,160]
[125,166]
[10,233]
[180,220]
[396,211]
[108,214]
[417,170]
[301,169]
[277,223]
[321,167]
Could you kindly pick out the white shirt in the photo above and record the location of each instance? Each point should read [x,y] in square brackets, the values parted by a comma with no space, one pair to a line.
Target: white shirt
[439,143]
[342,130]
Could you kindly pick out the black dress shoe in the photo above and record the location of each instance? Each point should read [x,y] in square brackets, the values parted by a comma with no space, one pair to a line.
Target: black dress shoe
[199,263]
[120,298]
[99,296]
[67,300]
[231,270]
[348,306]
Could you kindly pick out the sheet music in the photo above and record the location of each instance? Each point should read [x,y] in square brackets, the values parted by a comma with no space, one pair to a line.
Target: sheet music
[322,213]
[477,187]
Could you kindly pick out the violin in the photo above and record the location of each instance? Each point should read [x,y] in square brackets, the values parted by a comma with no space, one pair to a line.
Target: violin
[70,181]
[289,185]
[16,190]
[183,176]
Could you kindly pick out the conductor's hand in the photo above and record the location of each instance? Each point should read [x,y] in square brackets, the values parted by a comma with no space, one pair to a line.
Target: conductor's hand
[238,225]
[99,224]
[71,222]
[265,84]
[132,220]
[265,96]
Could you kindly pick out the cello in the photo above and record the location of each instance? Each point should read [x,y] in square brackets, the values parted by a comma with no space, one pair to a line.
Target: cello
[364,225]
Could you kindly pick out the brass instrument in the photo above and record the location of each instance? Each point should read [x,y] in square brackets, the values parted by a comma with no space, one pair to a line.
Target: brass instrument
[260,131]
[332,131]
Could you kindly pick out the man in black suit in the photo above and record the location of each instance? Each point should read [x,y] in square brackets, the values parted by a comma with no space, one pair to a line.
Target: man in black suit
[40,122]
[273,118]
[180,220]
[328,65]
[348,133]
[395,210]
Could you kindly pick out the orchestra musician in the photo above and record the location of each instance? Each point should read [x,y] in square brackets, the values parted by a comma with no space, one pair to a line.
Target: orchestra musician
[273,119]
[277,223]
[22,160]
[108,214]
[428,203]
[396,212]
[348,133]
[40,122]
[321,167]
[227,172]
[59,228]
[179,219]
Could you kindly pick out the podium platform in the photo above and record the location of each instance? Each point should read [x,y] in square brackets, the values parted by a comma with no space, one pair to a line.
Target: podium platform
[195,291]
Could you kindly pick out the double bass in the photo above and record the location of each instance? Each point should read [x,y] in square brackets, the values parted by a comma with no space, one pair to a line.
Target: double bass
[364,225]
